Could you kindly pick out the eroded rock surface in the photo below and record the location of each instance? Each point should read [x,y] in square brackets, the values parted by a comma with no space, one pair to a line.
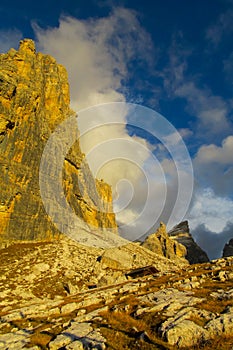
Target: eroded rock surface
[46,301]
[34,100]
[160,243]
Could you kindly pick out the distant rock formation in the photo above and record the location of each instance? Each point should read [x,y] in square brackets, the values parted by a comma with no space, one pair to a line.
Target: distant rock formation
[181,234]
[160,243]
[34,100]
[228,249]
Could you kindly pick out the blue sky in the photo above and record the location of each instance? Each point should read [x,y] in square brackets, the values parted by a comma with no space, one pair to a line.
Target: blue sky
[175,57]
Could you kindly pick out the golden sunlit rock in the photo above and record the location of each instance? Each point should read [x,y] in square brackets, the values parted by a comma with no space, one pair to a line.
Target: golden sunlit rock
[34,100]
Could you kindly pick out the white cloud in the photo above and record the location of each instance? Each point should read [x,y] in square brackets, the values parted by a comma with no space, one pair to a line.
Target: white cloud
[213,166]
[9,38]
[214,154]
[96,53]
[176,137]
[115,156]
[211,111]
[185,133]
[210,210]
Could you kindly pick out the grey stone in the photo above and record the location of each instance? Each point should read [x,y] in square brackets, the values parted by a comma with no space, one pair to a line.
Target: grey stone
[184,334]
[60,341]
[68,308]
[76,345]
[220,325]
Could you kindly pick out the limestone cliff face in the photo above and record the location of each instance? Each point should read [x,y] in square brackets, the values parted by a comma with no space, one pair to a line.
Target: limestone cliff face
[34,100]
[181,234]
[160,243]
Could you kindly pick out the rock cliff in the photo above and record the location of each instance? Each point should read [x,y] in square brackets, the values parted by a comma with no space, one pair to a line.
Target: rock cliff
[34,100]
[181,234]
[228,249]
[160,243]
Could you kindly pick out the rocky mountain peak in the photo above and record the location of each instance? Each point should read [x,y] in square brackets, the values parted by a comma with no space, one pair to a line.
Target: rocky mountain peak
[228,249]
[181,234]
[34,100]
[160,243]
[27,46]
[181,228]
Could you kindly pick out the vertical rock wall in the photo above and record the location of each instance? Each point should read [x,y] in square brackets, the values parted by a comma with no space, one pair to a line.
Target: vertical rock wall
[34,100]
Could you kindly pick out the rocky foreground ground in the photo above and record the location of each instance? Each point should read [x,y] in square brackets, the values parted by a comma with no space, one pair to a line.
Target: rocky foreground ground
[61,295]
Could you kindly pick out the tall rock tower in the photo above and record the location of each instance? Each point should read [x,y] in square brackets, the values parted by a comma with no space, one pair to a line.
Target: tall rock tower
[34,100]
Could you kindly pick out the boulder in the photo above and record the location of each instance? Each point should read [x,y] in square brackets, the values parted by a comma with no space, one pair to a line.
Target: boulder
[116,259]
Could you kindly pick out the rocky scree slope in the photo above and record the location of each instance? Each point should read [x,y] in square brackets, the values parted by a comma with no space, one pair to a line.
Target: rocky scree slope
[62,295]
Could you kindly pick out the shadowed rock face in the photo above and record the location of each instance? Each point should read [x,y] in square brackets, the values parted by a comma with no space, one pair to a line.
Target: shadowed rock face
[182,235]
[34,100]
[228,249]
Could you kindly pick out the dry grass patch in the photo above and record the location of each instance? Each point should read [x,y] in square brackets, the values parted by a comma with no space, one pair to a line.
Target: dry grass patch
[200,321]
[215,306]
[219,343]
[122,321]
[41,339]
[123,331]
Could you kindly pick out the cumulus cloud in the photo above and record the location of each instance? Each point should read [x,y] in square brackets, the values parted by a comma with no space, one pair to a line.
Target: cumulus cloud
[185,133]
[210,218]
[97,54]
[149,191]
[212,203]
[100,56]
[213,166]
[212,111]
[212,153]
[9,38]
[211,210]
